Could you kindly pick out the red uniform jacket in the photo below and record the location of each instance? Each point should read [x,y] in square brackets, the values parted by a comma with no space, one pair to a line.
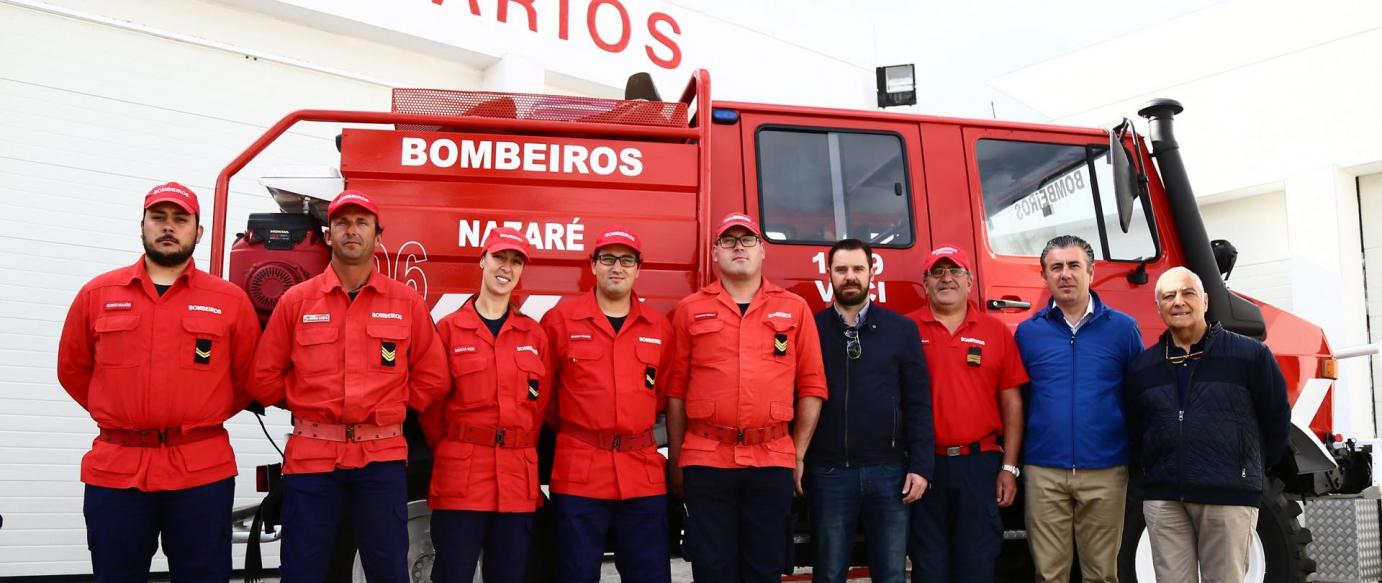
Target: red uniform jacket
[327,355]
[607,383]
[499,383]
[130,358]
[731,373]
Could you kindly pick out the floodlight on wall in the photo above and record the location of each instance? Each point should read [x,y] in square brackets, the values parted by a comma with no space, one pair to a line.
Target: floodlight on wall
[897,85]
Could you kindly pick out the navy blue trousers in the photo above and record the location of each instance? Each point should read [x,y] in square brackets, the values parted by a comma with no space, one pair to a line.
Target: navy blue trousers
[738,523]
[123,528]
[956,533]
[376,499]
[638,527]
[459,535]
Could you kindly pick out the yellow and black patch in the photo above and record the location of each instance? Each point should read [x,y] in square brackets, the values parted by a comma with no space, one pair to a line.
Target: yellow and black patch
[533,389]
[202,352]
[975,357]
[780,344]
[388,353]
[649,378]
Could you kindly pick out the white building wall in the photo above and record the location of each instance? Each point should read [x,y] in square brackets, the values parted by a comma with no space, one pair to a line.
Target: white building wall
[1254,225]
[102,99]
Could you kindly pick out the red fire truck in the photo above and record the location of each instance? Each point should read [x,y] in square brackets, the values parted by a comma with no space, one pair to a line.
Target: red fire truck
[447,166]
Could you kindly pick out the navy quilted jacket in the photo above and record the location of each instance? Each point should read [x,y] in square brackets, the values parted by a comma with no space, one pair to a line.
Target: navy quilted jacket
[1233,426]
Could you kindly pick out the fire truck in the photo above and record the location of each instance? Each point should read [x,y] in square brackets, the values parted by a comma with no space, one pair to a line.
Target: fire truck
[448,166]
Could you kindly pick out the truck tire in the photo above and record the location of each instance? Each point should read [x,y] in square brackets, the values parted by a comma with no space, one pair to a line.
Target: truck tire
[1277,555]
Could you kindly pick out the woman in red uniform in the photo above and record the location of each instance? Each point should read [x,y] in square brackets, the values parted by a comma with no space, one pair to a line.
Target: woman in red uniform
[484,490]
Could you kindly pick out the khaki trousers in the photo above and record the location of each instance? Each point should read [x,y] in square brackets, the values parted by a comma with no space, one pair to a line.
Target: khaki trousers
[1214,537]
[1083,507]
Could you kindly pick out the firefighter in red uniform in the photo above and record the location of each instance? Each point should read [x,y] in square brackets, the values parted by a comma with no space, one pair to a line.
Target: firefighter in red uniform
[350,350]
[158,353]
[976,370]
[608,479]
[484,491]
[746,362]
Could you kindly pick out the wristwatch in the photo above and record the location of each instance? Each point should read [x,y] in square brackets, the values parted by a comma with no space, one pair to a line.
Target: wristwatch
[1014,470]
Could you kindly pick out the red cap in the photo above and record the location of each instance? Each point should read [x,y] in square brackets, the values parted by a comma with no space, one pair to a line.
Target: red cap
[504,239]
[619,236]
[732,220]
[175,193]
[947,251]
[352,198]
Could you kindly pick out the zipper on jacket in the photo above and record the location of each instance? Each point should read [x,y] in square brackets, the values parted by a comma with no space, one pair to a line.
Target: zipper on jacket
[1180,430]
[1073,427]
[846,410]
[896,407]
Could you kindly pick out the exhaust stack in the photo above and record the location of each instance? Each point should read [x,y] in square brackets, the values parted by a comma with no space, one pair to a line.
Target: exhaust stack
[1234,312]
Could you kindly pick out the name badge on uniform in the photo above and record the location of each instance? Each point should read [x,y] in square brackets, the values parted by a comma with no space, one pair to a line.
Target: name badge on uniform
[202,352]
[780,344]
[975,357]
[532,389]
[649,377]
[388,353]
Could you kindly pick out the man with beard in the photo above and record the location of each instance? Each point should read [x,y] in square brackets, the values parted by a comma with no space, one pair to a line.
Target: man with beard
[745,363]
[976,371]
[608,480]
[873,450]
[158,354]
[348,351]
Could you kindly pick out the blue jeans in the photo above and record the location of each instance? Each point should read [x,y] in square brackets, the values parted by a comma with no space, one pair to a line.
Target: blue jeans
[843,497]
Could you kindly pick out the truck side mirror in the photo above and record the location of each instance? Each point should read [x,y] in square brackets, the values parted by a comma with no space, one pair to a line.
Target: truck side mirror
[1225,255]
[1129,181]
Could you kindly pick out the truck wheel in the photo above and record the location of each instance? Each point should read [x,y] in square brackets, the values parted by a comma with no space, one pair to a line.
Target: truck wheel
[420,551]
[1277,554]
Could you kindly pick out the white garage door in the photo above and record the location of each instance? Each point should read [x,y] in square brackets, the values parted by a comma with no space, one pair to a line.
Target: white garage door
[91,116]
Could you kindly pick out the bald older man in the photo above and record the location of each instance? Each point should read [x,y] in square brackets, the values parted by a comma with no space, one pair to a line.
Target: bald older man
[1207,408]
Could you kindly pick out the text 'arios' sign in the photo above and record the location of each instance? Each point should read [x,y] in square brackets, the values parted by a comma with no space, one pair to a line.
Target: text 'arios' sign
[439,155]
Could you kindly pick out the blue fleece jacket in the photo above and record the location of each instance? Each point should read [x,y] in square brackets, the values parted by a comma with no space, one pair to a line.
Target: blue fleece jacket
[1074,405]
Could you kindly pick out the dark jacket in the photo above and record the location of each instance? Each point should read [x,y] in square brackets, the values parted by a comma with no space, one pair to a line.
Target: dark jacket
[1075,400]
[879,409]
[1216,445]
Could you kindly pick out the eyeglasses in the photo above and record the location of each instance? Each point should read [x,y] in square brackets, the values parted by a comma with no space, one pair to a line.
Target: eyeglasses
[625,260]
[852,346]
[939,272]
[1181,358]
[729,241]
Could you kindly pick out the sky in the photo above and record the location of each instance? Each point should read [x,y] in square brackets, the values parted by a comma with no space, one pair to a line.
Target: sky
[958,47]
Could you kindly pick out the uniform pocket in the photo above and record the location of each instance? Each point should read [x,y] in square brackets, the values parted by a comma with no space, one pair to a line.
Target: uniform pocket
[206,347]
[781,340]
[534,484]
[533,373]
[316,350]
[472,386]
[206,453]
[451,470]
[706,344]
[700,409]
[574,465]
[390,342]
[115,340]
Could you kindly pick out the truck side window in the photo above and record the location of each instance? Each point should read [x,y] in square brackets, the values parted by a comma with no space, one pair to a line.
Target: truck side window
[822,186]
[1034,192]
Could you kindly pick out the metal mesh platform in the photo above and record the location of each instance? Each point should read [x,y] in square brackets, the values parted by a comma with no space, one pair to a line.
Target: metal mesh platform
[535,107]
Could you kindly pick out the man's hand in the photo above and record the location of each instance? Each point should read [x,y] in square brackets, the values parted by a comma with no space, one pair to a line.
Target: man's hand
[674,481]
[913,487]
[796,475]
[1007,488]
